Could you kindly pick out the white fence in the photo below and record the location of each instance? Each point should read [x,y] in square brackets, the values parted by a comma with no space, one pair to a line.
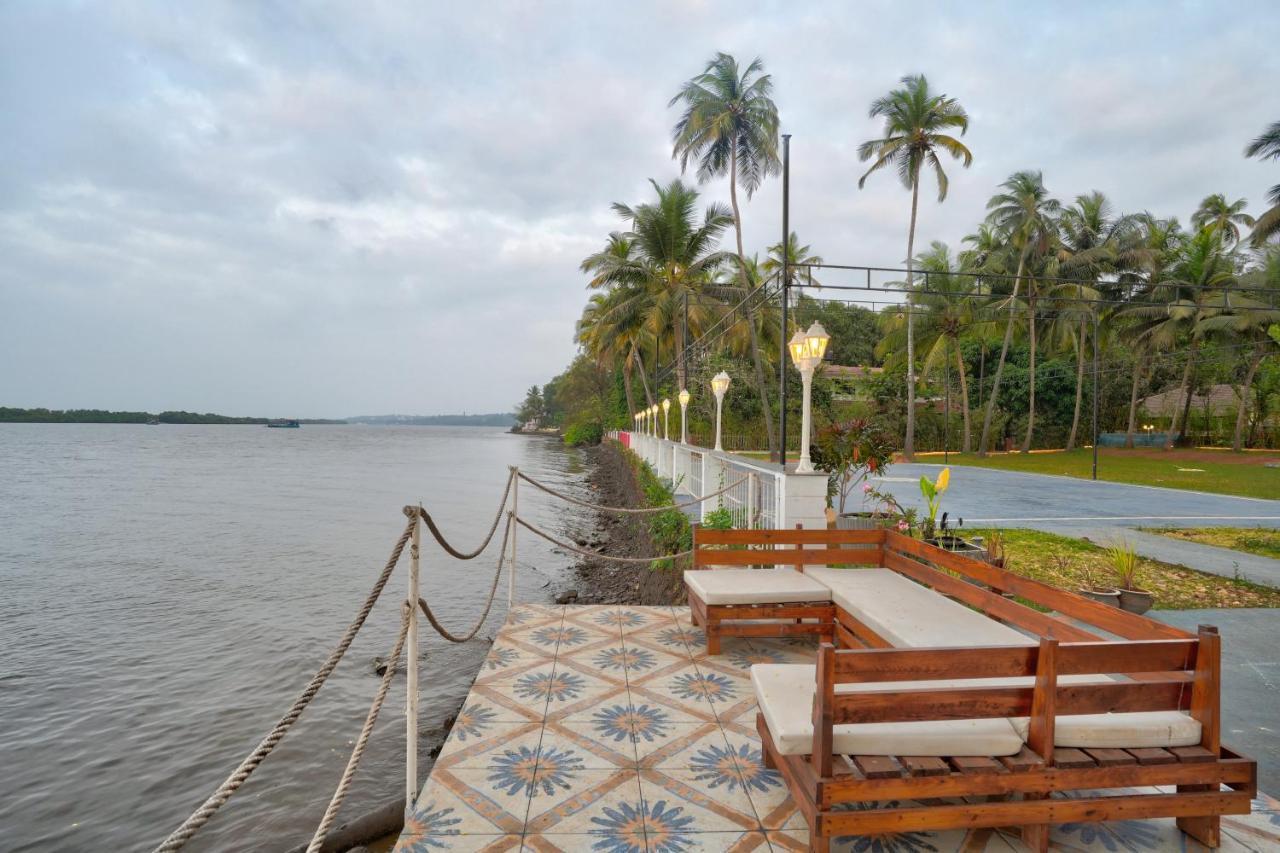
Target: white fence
[757,491]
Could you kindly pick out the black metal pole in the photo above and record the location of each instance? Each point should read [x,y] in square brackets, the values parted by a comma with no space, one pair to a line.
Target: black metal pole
[1095,393]
[786,281]
[946,422]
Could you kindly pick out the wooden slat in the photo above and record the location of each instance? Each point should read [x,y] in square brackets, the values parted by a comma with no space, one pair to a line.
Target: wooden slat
[877,766]
[861,631]
[1041,624]
[1111,619]
[924,765]
[1125,657]
[777,629]
[1005,813]
[1027,759]
[1087,776]
[924,664]
[823,704]
[1191,754]
[967,703]
[1068,758]
[975,764]
[797,610]
[703,536]
[787,557]
[1153,755]
[1110,757]
[847,640]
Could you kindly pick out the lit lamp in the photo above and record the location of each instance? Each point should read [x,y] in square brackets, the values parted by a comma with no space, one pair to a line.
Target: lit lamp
[666,421]
[807,349]
[684,405]
[719,384]
[653,420]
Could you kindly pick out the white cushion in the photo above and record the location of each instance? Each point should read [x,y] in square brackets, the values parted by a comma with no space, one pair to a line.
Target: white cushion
[1131,730]
[785,693]
[754,586]
[910,615]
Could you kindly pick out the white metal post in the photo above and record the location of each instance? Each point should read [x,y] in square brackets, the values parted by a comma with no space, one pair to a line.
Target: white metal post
[515,506]
[805,465]
[751,500]
[411,673]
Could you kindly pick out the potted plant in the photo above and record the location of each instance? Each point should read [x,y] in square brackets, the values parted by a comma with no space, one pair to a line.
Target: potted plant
[1125,562]
[994,545]
[1090,587]
[850,452]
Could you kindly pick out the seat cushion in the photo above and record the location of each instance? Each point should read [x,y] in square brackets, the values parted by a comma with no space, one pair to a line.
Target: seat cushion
[785,693]
[1131,730]
[908,614]
[754,586]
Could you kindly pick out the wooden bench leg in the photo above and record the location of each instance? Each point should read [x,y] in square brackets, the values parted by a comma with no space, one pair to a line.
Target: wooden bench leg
[712,630]
[1036,837]
[819,843]
[1206,830]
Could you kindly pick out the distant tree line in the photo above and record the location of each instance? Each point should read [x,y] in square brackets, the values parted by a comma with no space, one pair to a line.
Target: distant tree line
[494,419]
[102,416]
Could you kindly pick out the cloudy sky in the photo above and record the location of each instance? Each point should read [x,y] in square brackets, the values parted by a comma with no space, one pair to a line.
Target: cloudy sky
[325,209]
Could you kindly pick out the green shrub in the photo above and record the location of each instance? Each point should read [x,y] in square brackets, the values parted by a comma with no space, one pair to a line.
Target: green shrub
[583,434]
[669,529]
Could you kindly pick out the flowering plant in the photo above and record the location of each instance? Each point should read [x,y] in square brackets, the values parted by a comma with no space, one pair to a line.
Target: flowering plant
[932,491]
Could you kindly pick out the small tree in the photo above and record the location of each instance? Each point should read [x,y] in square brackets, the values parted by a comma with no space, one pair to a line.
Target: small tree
[850,451]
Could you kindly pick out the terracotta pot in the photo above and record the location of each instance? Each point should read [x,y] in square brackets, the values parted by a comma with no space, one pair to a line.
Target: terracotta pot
[1105,596]
[1136,600]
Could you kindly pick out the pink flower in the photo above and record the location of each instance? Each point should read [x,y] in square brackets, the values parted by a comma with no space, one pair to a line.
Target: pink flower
[866,488]
[902,526]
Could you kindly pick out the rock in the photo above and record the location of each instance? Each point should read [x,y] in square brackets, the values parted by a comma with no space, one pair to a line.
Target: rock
[379,666]
[568,598]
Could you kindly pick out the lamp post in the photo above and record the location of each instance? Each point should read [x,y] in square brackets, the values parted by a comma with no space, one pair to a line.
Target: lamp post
[719,384]
[807,349]
[653,419]
[684,406]
[666,419]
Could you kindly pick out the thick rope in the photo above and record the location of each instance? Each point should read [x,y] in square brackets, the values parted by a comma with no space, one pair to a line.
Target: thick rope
[596,554]
[623,509]
[357,752]
[493,591]
[454,552]
[200,816]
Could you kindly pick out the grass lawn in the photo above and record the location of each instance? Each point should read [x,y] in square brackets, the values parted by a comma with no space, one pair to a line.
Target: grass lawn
[1252,540]
[1218,471]
[1064,562]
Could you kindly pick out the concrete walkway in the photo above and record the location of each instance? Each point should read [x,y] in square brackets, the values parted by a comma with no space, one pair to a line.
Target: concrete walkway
[1102,511]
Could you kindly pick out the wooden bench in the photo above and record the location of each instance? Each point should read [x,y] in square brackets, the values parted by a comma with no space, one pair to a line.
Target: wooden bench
[723,597]
[1077,697]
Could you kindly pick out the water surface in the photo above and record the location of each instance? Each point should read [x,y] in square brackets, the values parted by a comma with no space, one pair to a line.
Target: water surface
[166,591]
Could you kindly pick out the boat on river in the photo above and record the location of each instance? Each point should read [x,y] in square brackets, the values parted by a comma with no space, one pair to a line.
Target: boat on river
[291,424]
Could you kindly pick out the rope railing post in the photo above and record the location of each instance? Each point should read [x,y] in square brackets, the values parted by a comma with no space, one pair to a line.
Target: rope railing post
[515,508]
[411,672]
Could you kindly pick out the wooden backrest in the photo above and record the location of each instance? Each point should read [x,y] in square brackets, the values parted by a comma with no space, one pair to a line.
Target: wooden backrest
[798,548]
[1164,674]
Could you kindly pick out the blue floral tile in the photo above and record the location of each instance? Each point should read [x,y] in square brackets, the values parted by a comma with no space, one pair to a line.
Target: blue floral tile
[583,806]
[624,659]
[713,806]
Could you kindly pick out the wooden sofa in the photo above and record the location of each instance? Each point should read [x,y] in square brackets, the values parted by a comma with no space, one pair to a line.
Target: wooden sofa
[948,689]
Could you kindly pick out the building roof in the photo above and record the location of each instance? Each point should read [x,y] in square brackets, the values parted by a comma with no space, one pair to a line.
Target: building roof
[1222,399]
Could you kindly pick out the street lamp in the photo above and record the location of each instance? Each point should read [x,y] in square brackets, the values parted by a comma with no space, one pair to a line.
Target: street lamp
[653,419]
[719,384]
[666,419]
[807,349]
[684,405]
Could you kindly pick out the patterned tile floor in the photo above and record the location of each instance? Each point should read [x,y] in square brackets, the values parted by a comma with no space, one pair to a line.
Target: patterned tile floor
[610,729]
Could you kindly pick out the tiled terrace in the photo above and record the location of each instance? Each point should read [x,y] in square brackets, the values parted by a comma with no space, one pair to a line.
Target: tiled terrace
[609,728]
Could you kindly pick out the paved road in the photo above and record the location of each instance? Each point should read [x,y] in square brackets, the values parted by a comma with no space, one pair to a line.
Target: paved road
[1250,682]
[1101,511]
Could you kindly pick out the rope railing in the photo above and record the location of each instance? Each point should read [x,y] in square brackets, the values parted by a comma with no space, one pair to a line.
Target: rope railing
[587,552]
[629,510]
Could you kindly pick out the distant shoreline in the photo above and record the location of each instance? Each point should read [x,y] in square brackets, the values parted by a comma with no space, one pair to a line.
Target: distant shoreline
[103,416]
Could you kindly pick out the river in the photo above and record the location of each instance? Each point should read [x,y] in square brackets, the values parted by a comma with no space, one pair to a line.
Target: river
[166,592]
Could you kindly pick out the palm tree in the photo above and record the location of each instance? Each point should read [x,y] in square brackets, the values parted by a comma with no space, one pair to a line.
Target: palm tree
[946,308]
[1267,147]
[799,259]
[666,256]
[612,331]
[917,126]
[1223,217]
[730,127]
[1025,216]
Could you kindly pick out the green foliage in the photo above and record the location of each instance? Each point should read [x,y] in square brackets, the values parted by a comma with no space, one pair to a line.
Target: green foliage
[533,409]
[669,529]
[719,518]
[584,434]
[849,451]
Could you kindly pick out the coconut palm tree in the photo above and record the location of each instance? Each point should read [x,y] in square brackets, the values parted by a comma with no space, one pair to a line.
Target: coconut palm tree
[667,255]
[1026,217]
[612,331]
[945,308]
[799,257]
[918,126]
[1267,147]
[730,127]
[1222,216]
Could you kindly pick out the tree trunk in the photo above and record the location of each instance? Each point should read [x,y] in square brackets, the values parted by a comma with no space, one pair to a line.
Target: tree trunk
[909,445]
[1186,393]
[1031,402]
[1004,352]
[1258,351]
[1133,399]
[648,394]
[1075,418]
[964,401]
[757,363]
[681,369]
[626,387]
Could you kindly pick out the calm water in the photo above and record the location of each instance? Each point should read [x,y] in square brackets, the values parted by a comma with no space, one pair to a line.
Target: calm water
[166,591]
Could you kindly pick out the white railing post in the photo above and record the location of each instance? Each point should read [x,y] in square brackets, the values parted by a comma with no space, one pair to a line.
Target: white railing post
[751,500]
[411,674]
[511,520]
